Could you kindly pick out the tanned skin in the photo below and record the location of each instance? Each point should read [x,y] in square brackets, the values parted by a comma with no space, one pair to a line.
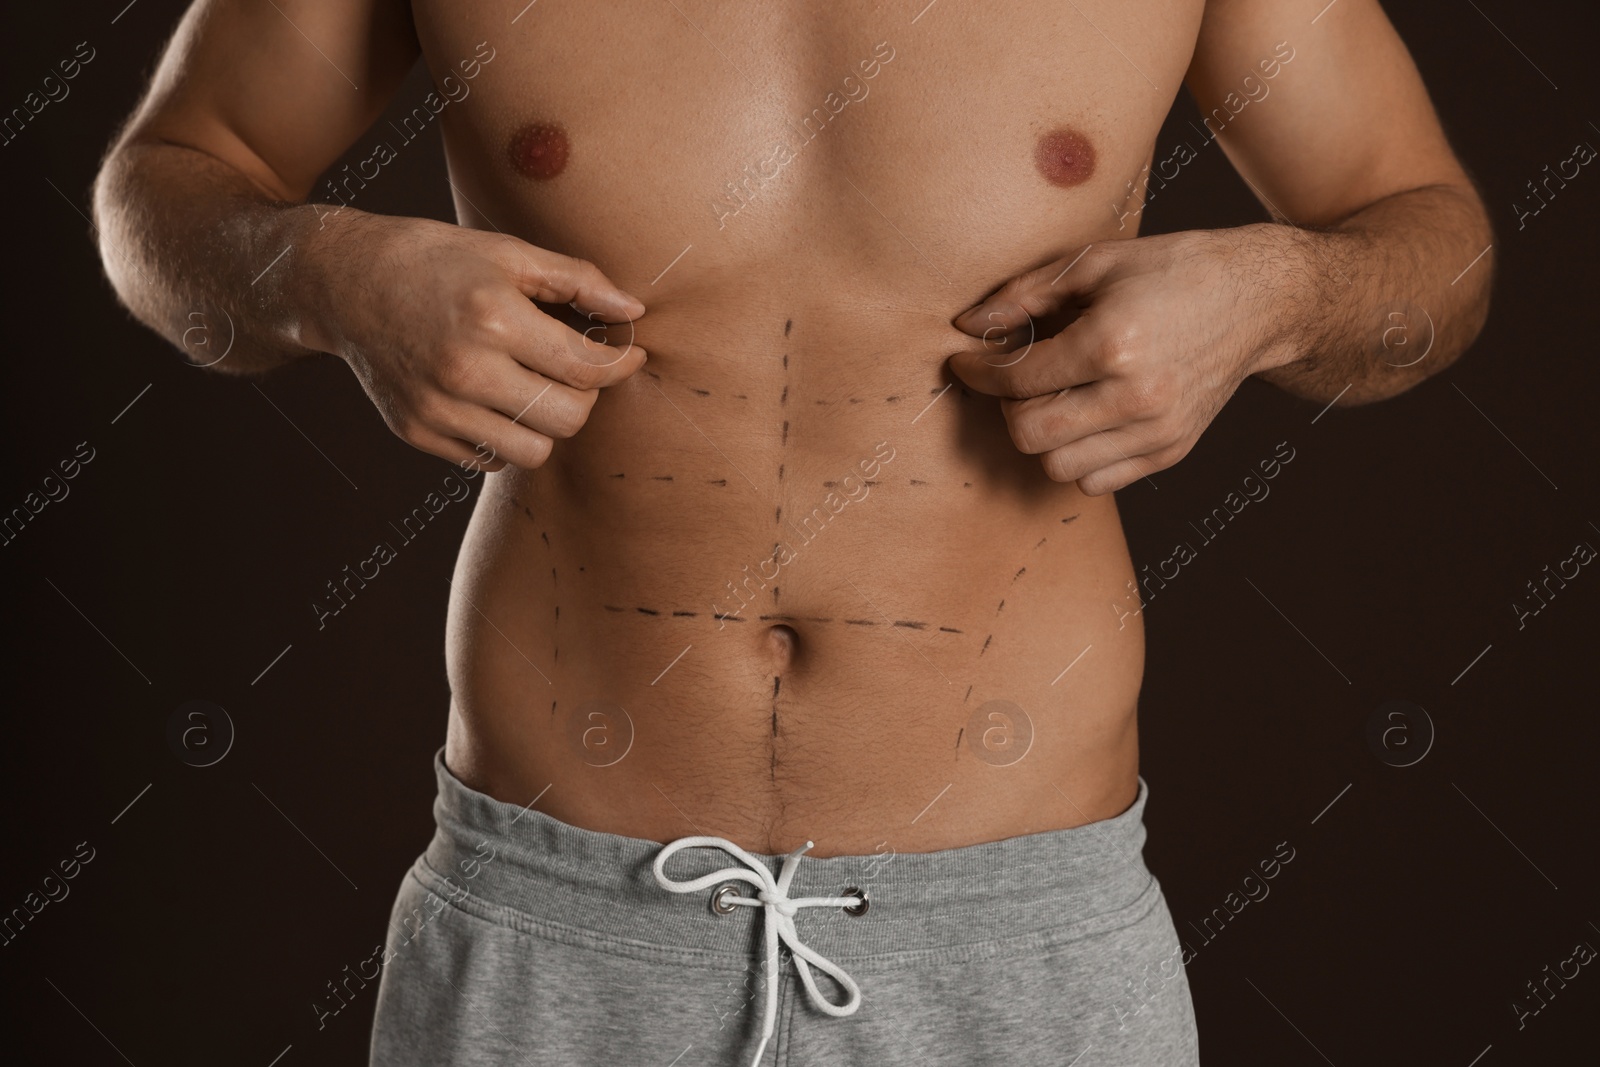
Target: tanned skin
[784,541]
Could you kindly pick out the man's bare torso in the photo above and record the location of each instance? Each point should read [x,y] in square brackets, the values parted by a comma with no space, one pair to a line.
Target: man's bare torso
[772,588]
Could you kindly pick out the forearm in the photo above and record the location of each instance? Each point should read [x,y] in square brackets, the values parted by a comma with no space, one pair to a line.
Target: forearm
[208,259]
[1352,308]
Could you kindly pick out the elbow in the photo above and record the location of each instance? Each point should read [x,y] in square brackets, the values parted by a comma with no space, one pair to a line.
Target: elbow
[108,209]
[129,246]
[115,213]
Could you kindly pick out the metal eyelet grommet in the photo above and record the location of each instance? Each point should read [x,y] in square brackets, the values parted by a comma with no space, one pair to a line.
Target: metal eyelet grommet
[719,898]
[856,909]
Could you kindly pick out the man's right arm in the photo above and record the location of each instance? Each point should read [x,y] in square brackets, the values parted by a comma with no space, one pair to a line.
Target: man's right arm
[202,222]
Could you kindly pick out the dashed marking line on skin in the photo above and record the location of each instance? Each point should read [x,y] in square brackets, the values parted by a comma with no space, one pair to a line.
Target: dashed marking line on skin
[787,326]
[718,481]
[783,400]
[1001,608]
[1042,540]
[959,734]
[661,477]
[1069,518]
[985,647]
[723,616]
[555,626]
[969,694]
[1020,572]
[918,481]
[909,624]
[699,392]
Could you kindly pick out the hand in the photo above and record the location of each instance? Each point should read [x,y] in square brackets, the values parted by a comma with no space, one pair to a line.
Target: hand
[439,325]
[1160,332]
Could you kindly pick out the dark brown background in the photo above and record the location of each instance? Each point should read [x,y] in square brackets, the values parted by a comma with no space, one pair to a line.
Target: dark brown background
[1396,541]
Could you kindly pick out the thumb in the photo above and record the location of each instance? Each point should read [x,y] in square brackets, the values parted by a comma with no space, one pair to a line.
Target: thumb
[558,279]
[1037,294]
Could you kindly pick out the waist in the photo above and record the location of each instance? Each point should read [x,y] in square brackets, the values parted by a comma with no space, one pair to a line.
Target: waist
[520,866]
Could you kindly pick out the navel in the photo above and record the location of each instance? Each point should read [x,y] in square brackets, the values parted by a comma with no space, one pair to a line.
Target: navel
[538,150]
[783,643]
[1065,157]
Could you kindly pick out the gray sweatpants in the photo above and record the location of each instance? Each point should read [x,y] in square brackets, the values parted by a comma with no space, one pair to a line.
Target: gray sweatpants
[520,939]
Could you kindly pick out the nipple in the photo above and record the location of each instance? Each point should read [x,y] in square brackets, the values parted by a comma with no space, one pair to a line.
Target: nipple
[538,150]
[1065,157]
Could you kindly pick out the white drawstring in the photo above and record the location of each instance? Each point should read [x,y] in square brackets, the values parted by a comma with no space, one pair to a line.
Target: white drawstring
[779,916]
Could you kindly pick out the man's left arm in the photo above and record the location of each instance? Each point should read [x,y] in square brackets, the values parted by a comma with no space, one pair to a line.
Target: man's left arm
[1374,274]
[1393,250]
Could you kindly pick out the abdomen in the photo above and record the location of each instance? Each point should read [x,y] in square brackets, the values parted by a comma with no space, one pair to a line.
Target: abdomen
[796,585]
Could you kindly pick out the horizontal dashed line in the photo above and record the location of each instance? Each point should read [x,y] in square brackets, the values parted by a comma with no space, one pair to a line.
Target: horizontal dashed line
[909,624]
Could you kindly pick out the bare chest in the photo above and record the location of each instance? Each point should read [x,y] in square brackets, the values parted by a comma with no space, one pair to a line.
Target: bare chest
[949,143]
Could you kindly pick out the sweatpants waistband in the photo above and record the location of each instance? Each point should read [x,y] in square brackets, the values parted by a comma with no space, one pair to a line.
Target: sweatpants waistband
[522,867]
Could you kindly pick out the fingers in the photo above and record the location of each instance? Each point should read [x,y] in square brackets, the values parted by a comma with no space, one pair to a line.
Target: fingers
[1044,423]
[475,437]
[468,457]
[578,358]
[559,279]
[1038,293]
[1103,462]
[1022,323]
[502,407]
[508,440]
[1119,475]
[497,317]
[527,398]
[1092,436]
[1038,367]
